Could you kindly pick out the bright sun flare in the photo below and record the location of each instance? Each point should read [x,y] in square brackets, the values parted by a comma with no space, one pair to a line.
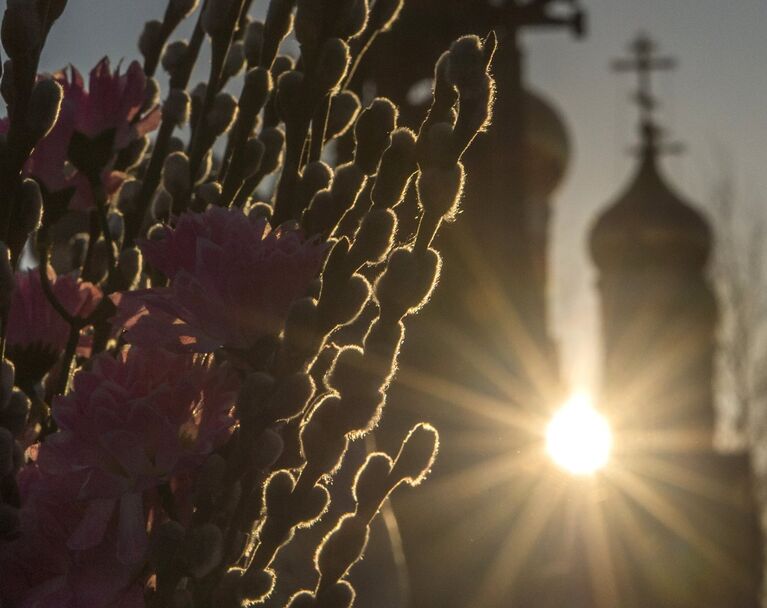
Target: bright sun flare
[578,438]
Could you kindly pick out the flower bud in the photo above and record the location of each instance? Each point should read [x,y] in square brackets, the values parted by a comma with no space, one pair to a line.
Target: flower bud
[209,193]
[417,455]
[255,92]
[254,42]
[322,449]
[466,64]
[340,595]
[397,166]
[312,507]
[215,17]
[203,549]
[279,22]
[126,200]
[31,206]
[344,108]
[372,483]
[302,599]
[333,64]
[290,96]
[277,491]
[252,154]
[175,56]
[116,224]
[274,144]
[352,19]
[22,30]
[341,548]
[235,60]
[256,585]
[222,114]
[260,210]
[308,25]
[151,95]
[408,281]
[375,237]
[133,154]
[176,107]
[176,175]
[7,278]
[44,106]
[130,263]
[161,205]
[151,38]
[373,133]
[439,190]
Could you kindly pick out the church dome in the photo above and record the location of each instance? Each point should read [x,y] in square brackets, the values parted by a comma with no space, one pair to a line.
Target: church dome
[650,222]
[547,146]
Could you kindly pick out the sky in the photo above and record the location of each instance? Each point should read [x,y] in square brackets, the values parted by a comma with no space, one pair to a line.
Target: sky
[713,103]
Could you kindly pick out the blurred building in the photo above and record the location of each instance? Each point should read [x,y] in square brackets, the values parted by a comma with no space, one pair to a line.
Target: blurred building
[683,530]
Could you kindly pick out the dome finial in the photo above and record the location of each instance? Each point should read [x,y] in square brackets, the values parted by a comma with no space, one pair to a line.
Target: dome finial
[644,62]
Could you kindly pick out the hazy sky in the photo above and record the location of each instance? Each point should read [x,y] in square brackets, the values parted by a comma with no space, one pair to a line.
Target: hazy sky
[714,103]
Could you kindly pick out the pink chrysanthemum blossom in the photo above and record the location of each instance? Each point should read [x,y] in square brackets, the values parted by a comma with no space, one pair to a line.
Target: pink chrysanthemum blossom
[232,282]
[112,101]
[130,425]
[38,568]
[37,335]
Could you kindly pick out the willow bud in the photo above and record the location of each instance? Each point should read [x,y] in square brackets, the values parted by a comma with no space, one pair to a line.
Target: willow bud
[215,17]
[274,144]
[209,193]
[339,595]
[373,133]
[439,190]
[176,107]
[333,64]
[130,265]
[223,114]
[342,548]
[417,455]
[254,42]
[175,56]
[372,481]
[44,106]
[252,154]
[31,206]
[344,108]
[408,281]
[22,30]
[151,38]
[279,22]
[176,175]
[235,60]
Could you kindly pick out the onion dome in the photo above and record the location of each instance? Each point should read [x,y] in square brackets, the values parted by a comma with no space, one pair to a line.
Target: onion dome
[650,222]
[547,146]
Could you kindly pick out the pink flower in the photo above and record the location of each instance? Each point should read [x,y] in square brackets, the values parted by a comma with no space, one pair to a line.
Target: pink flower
[38,568]
[232,282]
[113,101]
[130,425]
[37,335]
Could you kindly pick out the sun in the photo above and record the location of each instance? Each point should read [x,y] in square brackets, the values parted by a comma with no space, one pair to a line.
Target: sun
[578,438]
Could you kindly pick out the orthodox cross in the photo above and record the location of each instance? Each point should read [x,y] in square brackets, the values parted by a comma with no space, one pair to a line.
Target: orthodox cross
[644,62]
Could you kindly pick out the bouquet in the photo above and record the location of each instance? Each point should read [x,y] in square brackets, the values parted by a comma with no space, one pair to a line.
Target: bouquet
[179,273]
